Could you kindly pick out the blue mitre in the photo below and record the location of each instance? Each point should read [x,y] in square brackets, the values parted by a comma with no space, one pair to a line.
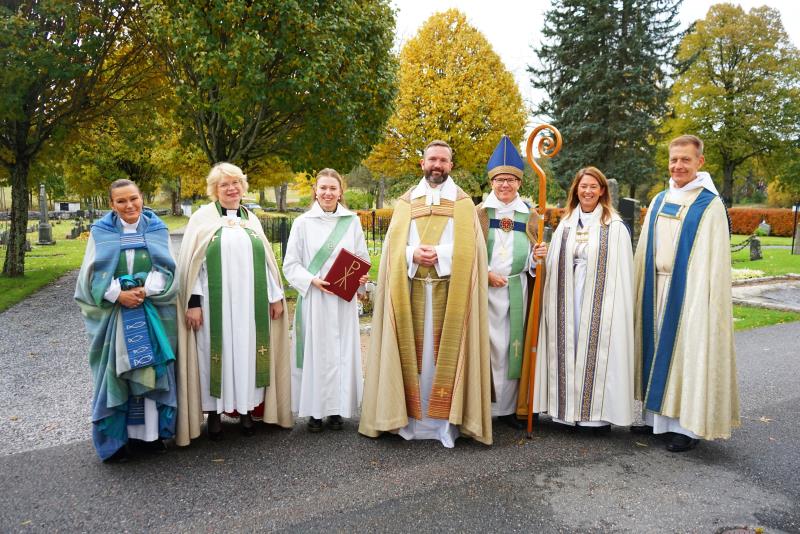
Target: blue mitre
[505,160]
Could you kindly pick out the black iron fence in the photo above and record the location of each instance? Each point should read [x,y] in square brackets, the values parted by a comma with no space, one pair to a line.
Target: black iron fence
[277,231]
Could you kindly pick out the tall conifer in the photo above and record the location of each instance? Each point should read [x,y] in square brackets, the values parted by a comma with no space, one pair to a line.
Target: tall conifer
[605,67]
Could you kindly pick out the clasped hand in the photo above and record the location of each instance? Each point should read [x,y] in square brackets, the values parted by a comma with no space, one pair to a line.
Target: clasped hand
[425,255]
[131,298]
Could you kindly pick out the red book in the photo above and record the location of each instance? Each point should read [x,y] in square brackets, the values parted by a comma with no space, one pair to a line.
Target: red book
[344,274]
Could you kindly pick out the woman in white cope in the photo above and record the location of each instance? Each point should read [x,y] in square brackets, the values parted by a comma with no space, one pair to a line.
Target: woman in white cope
[584,369]
[327,379]
[233,342]
[509,227]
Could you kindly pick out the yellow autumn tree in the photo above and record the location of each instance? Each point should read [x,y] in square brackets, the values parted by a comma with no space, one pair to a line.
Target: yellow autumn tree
[452,86]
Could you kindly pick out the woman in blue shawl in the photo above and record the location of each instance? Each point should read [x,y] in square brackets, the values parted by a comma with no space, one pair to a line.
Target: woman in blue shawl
[126,294]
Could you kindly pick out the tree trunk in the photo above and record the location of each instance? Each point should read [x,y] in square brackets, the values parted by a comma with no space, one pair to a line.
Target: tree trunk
[632,191]
[727,184]
[381,191]
[280,197]
[14,265]
[262,197]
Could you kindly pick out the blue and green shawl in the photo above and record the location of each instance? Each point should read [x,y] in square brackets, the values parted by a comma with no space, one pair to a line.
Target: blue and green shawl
[112,388]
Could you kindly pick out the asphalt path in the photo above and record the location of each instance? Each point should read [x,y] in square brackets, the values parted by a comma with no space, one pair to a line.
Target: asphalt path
[559,481]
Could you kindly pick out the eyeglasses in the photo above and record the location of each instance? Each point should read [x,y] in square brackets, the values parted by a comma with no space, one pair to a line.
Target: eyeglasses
[505,181]
[225,186]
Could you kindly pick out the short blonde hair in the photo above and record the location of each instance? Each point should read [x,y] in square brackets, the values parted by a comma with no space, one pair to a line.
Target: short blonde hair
[218,172]
[688,139]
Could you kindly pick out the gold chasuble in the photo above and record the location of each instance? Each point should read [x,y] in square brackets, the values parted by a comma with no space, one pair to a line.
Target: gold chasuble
[202,228]
[461,386]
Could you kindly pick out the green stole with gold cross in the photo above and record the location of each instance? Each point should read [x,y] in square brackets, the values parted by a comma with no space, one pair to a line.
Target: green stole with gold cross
[520,250]
[319,259]
[261,305]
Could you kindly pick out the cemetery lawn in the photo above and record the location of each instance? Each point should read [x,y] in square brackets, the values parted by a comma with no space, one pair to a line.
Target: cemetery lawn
[745,317]
[765,240]
[46,263]
[775,261]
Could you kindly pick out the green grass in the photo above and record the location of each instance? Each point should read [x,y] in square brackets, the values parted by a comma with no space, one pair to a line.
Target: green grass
[765,240]
[745,317]
[46,263]
[774,262]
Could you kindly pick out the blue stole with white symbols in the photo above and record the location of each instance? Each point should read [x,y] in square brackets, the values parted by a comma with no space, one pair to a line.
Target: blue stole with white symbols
[658,345]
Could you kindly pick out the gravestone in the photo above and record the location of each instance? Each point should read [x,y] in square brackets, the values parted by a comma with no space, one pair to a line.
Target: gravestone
[613,191]
[45,230]
[630,212]
[755,249]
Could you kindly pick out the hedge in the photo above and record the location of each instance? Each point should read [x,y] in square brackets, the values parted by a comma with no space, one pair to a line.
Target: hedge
[746,220]
[743,220]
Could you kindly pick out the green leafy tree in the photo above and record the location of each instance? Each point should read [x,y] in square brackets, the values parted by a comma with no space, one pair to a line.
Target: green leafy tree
[453,87]
[62,64]
[308,82]
[604,68]
[741,93]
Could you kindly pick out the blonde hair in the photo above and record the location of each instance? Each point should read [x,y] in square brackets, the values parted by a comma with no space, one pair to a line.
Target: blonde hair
[688,139]
[605,198]
[330,173]
[218,172]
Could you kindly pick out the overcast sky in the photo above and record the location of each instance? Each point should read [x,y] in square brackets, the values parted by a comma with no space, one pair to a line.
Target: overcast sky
[513,27]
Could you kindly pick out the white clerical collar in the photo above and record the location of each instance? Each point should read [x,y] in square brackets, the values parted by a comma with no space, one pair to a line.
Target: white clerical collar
[447,190]
[317,211]
[130,226]
[587,219]
[703,179]
[517,204]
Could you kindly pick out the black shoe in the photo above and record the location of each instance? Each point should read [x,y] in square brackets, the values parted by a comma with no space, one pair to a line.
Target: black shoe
[512,421]
[246,425]
[150,447]
[214,427]
[643,430]
[335,422]
[119,457]
[314,425]
[600,430]
[681,443]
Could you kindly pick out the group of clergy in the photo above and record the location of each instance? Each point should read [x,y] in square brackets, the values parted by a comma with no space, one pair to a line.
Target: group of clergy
[175,344]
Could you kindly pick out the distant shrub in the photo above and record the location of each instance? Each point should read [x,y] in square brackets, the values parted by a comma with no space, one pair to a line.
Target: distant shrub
[358,200]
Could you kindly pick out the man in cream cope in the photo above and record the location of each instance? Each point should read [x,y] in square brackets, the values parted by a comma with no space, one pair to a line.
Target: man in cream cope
[428,361]
[685,362]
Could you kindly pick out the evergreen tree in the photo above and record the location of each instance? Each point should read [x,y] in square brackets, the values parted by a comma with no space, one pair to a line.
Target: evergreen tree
[605,70]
